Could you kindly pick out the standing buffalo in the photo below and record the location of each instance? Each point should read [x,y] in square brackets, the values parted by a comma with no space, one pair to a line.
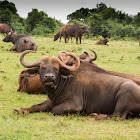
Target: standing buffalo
[103,42]
[61,33]
[5,28]
[21,42]
[71,89]
[72,30]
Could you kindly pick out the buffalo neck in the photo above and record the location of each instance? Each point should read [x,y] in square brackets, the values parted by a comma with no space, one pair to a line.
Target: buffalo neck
[59,88]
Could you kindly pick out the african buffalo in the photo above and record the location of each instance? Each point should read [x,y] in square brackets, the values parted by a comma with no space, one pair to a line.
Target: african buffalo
[5,28]
[61,33]
[29,81]
[84,57]
[21,42]
[103,42]
[86,64]
[71,89]
[74,30]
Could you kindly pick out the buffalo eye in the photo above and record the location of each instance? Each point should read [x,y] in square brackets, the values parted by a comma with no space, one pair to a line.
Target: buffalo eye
[42,68]
[56,70]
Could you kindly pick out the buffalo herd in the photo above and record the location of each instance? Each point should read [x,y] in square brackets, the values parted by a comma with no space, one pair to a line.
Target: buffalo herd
[74,84]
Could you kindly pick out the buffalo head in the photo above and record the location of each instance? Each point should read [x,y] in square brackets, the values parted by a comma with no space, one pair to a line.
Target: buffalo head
[8,37]
[84,57]
[84,29]
[49,67]
[56,36]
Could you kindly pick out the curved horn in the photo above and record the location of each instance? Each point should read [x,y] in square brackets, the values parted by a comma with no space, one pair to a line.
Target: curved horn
[26,64]
[62,64]
[88,58]
[93,59]
[60,56]
[65,58]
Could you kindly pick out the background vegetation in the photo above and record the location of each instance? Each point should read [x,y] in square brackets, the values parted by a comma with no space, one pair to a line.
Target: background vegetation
[121,56]
[103,20]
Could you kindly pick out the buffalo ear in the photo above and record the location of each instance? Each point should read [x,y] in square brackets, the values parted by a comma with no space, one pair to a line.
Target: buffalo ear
[66,73]
[32,72]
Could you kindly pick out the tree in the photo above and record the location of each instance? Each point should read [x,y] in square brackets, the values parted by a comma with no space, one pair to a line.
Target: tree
[100,7]
[79,15]
[137,19]
[8,5]
[46,26]
[34,18]
[5,16]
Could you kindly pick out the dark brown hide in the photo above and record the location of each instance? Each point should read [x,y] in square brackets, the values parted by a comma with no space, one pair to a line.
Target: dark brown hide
[75,30]
[83,91]
[29,81]
[61,33]
[69,60]
[103,42]
[5,28]
[21,42]
[84,57]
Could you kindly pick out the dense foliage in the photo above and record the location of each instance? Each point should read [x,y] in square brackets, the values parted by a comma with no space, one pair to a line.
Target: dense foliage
[106,21]
[36,23]
[103,21]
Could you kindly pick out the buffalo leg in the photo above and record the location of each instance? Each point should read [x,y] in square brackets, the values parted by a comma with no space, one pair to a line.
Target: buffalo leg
[65,40]
[60,39]
[71,40]
[76,40]
[13,48]
[43,107]
[80,39]
[66,108]
[128,100]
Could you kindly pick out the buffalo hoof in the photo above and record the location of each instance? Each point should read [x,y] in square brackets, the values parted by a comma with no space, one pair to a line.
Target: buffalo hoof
[1,71]
[96,116]
[20,110]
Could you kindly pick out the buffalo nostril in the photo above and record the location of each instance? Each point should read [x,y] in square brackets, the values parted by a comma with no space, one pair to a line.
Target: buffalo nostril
[49,76]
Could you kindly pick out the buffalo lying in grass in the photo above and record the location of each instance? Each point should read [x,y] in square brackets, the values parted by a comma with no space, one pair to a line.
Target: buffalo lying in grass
[21,42]
[29,80]
[72,89]
[103,42]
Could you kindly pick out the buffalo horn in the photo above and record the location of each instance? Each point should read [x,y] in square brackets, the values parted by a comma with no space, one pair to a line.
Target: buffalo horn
[62,64]
[26,64]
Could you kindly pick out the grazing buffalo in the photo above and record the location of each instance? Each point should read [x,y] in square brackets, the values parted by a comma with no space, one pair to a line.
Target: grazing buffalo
[73,30]
[29,81]
[71,89]
[61,33]
[103,42]
[5,28]
[21,42]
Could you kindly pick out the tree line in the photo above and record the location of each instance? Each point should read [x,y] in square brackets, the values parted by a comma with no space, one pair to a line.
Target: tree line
[103,21]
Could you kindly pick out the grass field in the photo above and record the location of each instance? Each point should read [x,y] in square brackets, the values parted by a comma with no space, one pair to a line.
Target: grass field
[120,56]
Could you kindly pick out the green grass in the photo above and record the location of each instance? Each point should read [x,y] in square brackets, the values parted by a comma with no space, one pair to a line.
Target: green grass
[121,56]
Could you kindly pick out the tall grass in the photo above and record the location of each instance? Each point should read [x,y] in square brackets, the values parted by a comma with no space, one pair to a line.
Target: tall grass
[121,56]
